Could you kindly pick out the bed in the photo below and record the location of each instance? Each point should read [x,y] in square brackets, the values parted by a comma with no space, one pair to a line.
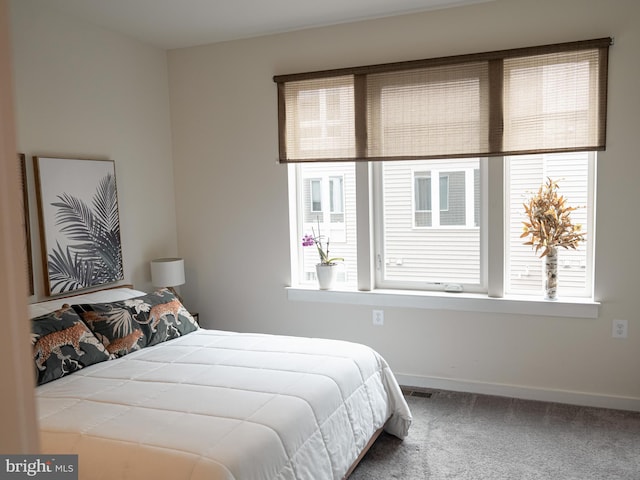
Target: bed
[182,402]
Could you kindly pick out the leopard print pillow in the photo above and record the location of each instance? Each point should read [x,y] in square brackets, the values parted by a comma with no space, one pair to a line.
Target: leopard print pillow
[128,325]
[62,344]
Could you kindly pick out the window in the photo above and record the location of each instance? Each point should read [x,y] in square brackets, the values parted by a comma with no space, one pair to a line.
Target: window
[315,193]
[336,195]
[454,200]
[423,191]
[436,238]
[333,188]
[575,173]
[428,256]
[452,148]
[422,186]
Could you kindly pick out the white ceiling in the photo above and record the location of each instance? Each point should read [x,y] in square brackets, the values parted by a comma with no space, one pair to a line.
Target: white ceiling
[183,23]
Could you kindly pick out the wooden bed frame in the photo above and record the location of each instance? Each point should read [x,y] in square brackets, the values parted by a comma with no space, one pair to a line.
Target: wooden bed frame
[366,448]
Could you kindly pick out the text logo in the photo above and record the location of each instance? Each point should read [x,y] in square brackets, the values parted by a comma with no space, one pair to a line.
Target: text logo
[52,467]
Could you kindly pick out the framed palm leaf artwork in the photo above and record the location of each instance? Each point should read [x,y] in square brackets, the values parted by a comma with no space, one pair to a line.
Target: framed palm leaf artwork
[79,223]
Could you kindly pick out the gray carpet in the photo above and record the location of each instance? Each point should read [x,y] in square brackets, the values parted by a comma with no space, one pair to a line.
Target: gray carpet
[478,437]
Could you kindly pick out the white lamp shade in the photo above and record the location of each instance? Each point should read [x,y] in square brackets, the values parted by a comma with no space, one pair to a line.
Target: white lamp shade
[167,272]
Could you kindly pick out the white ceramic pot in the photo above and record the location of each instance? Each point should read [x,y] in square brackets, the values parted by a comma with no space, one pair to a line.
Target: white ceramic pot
[326,274]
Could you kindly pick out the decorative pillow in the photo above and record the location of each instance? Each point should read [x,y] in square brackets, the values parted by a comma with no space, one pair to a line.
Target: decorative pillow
[62,344]
[128,325]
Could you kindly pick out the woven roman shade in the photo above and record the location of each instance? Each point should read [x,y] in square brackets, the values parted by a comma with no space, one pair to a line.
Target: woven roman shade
[320,118]
[424,112]
[531,100]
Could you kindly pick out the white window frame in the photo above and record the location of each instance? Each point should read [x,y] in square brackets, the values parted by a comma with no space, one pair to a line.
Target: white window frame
[504,131]
[376,226]
[493,300]
[588,291]
[435,197]
[299,184]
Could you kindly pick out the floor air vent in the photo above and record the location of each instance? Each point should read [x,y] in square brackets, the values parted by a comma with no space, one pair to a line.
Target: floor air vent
[416,392]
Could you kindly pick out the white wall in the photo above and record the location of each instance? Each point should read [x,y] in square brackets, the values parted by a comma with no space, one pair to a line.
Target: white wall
[82,91]
[232,202]
[17,406]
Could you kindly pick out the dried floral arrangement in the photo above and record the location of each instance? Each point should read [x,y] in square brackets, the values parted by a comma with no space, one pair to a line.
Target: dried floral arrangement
[549,222]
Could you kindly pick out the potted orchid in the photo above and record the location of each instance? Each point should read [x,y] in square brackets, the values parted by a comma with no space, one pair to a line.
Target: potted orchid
[549,227]
[326,271]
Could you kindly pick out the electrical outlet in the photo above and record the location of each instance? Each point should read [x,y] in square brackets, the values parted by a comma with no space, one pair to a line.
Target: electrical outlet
[378,318]
[619,329]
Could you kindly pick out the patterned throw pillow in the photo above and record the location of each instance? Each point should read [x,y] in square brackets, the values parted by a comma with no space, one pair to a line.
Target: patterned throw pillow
[128,325]
[62,344]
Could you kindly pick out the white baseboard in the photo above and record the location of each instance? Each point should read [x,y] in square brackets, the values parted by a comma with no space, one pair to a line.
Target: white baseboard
[522,392]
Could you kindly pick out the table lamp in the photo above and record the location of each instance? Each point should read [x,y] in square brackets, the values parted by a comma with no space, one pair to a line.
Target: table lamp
[168,272]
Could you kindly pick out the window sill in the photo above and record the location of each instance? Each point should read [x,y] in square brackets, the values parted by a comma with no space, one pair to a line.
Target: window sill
[468,302]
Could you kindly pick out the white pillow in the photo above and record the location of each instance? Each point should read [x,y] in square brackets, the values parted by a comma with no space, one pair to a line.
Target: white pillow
[101,296]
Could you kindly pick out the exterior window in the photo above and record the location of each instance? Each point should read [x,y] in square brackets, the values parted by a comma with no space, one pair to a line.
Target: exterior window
[336,199]
[423,191]
[451,210]
[336,196]
[422,185]
[315,187]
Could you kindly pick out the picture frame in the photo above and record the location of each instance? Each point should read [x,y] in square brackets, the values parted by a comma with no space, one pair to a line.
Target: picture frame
[26,221]
[79,223]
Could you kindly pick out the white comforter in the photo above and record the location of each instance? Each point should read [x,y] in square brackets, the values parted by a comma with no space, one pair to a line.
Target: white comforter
[222,405]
